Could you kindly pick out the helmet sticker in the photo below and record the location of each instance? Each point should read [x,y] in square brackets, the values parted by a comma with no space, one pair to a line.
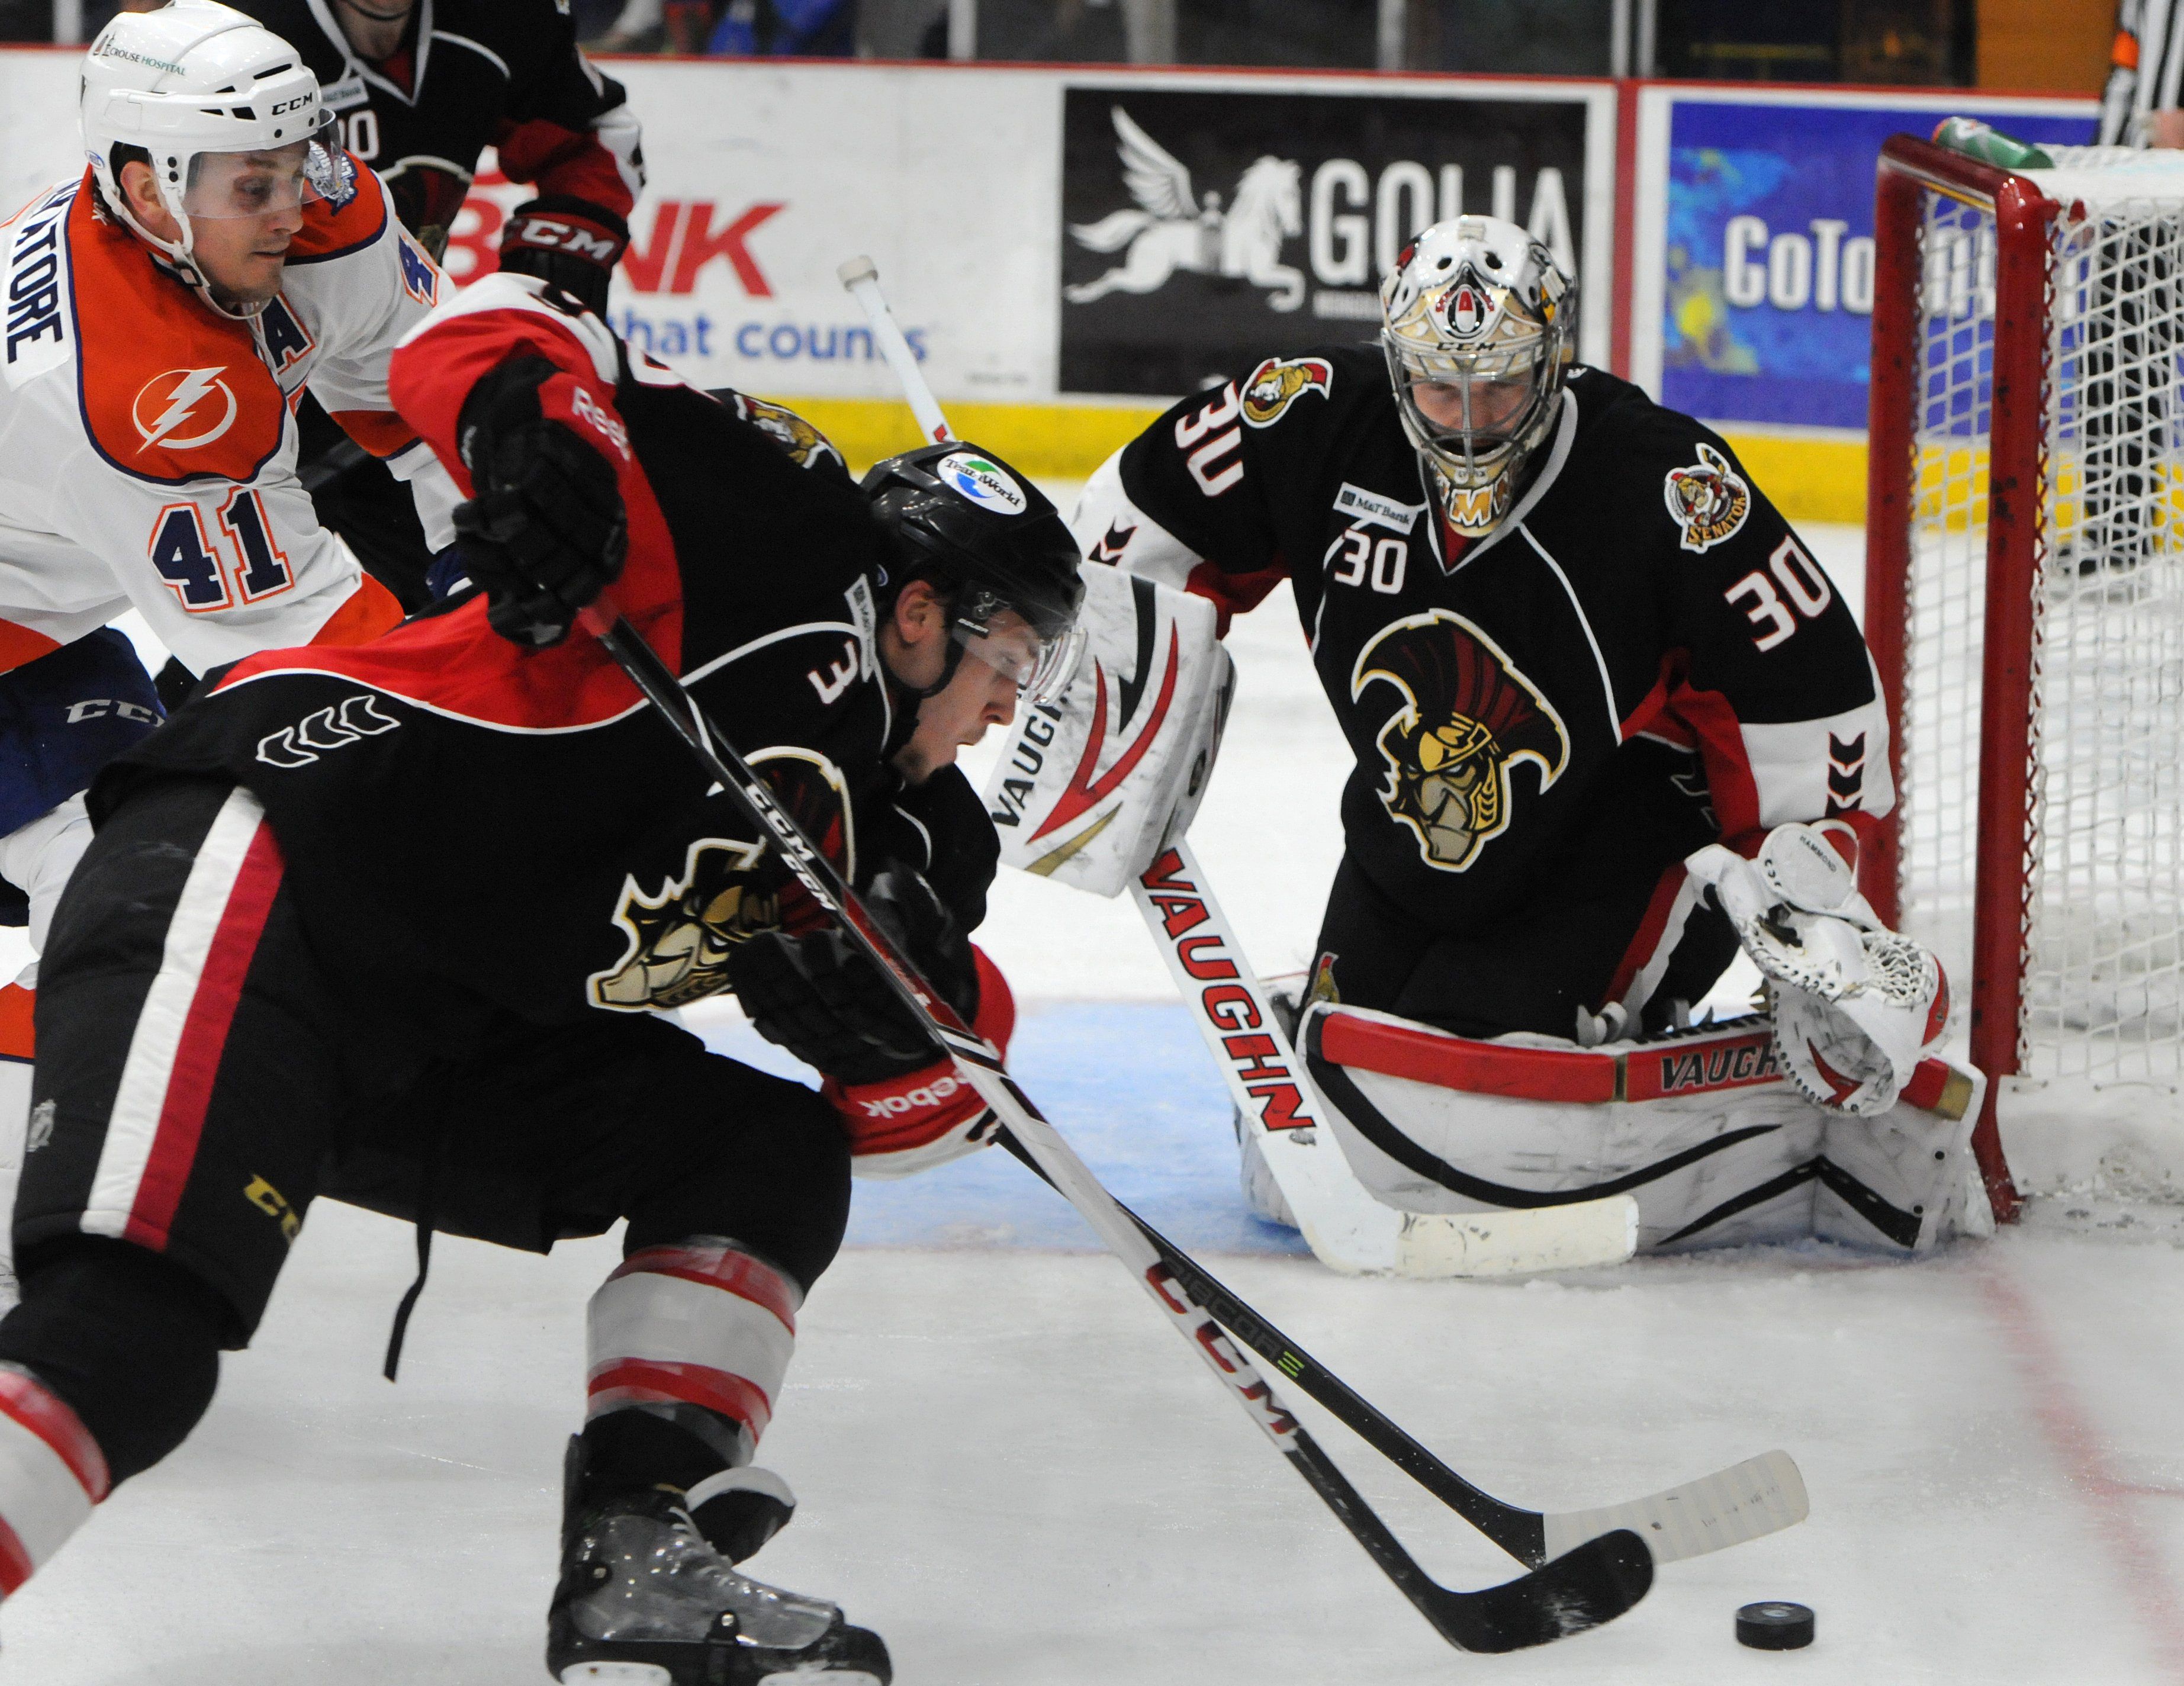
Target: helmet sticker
[1709,500]
[985,483]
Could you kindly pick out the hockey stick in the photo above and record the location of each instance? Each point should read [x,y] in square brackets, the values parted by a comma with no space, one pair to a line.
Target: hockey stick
[1743,1502]
[1594,1582]
[1345,1227]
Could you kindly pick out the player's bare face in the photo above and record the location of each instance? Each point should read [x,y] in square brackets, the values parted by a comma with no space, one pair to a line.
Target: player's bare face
[1495,404]
[255,207]
[245,208]
[976,698]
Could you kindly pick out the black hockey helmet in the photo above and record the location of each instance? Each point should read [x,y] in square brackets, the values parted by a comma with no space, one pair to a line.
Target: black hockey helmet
[989,540]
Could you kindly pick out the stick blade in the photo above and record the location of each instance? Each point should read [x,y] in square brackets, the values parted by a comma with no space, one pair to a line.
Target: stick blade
[1580,1590]
[1743,1502]
[1505,1243]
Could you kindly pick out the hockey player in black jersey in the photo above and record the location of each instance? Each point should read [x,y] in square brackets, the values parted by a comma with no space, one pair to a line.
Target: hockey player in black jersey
[421,87]
[1571,644]
[391,925]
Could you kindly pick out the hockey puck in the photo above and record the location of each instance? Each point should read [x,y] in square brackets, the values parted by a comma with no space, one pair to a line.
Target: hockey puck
[1775,1627]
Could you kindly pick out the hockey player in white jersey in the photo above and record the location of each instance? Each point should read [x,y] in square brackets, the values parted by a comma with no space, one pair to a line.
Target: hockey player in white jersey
[164,311]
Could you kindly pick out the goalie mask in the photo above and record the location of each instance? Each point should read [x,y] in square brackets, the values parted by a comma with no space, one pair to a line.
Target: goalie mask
[226,114]
[999,553]
[1478,330]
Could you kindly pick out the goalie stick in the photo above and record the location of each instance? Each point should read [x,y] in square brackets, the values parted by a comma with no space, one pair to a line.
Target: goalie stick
[1345,1227]
[1593,1583]
[1743,1502]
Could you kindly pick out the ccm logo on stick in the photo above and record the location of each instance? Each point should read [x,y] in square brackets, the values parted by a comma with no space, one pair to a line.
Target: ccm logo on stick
[1256,1057]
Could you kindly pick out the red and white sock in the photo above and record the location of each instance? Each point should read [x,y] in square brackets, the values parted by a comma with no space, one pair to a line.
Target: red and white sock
[52,1472]
[693,1324]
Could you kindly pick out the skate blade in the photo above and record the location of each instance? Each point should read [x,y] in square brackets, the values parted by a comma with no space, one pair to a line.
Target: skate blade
[616,1674]
[820,1671]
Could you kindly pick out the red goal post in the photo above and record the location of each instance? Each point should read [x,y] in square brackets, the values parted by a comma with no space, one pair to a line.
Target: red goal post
[2024,605]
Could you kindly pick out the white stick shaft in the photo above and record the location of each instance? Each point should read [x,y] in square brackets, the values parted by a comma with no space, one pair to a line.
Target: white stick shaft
[863,281]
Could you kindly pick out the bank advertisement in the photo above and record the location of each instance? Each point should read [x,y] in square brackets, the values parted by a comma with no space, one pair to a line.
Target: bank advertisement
[1753,294]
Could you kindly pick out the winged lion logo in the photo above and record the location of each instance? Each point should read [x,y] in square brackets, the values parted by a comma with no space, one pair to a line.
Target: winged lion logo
[1171,230]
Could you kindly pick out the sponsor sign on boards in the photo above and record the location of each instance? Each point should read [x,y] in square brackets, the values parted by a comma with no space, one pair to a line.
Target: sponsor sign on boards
[1754,260]
[1205,229]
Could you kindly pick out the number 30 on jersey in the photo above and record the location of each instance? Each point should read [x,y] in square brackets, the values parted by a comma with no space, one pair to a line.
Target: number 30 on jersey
[206,576]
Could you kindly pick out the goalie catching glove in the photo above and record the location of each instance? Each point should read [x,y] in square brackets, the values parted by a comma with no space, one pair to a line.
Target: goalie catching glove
[901,1102]
[1855,1005]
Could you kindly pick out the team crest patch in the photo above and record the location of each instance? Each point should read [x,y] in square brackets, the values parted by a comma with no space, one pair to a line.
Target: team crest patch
[1709,500]
[1279,382]
[681,938]
[806,444]
[1464,717]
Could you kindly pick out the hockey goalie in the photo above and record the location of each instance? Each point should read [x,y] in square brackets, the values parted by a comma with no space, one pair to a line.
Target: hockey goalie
[1613,725]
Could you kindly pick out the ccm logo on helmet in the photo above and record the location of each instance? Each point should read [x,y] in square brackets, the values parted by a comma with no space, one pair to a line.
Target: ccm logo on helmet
[926,1094]
[184,408]
[288,105]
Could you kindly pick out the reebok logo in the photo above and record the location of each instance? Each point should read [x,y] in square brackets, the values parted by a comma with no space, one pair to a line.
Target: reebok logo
[913,1100]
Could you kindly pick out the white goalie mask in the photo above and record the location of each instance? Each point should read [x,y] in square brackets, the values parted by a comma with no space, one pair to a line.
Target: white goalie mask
[1479,327]
[227,114]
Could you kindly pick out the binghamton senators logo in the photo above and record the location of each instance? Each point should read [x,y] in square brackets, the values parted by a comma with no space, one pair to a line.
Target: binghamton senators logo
[680,936]
[1709,500]
[1466,717]
[1279,382]
[805,443]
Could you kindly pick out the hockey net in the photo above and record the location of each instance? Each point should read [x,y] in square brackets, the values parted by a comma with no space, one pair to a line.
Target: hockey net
[2025,606]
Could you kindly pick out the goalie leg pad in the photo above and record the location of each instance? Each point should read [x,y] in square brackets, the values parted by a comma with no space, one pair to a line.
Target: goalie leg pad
[1700,1129]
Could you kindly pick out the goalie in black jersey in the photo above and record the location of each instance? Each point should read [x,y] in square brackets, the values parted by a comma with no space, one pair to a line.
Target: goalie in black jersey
[1571,644]
[394,925]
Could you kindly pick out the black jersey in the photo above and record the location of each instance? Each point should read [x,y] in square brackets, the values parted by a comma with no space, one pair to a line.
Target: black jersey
[517,826]
[472,74]
[1641,586]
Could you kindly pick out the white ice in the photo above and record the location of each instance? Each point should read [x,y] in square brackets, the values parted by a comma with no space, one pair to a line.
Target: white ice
[1010,1469]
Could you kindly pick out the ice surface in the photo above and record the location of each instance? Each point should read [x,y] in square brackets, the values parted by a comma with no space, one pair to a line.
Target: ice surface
[1014,1472]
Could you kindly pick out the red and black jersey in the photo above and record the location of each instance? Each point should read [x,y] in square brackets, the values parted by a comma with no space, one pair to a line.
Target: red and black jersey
[518,826]
[1641,587]
[470,75]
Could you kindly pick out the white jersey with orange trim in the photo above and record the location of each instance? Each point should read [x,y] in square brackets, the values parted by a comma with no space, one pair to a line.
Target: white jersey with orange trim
[148,449]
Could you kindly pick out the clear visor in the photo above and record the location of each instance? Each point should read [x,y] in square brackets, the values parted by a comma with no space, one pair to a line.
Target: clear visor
[1040,668]
[267,181]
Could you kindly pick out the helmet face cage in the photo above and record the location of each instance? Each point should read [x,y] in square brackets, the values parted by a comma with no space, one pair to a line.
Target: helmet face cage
[1474,307]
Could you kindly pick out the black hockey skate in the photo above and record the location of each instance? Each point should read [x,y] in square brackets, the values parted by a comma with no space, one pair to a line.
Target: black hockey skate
[645,1600]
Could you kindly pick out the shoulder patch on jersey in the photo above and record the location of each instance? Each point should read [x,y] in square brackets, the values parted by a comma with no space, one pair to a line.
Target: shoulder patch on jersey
[1464,717]
[806,446]
[333,227]
[421,279]
[1279,382]
[36,325]
[1709,500]
[170,390]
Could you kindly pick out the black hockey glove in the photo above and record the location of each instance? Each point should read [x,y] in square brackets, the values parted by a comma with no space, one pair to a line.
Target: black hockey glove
[573,244]
[818,996]
[547,533]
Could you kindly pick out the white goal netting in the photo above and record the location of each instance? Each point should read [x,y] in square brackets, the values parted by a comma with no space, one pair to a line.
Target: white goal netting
[2101,868]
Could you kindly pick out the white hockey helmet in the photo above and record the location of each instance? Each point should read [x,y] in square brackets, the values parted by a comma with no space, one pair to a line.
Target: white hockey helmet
[191,79]
[1480,327]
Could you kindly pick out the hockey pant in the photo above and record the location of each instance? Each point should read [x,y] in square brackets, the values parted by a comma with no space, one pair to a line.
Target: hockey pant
[1701,1127]
[200,1080]
[1612,918]
[61,717]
